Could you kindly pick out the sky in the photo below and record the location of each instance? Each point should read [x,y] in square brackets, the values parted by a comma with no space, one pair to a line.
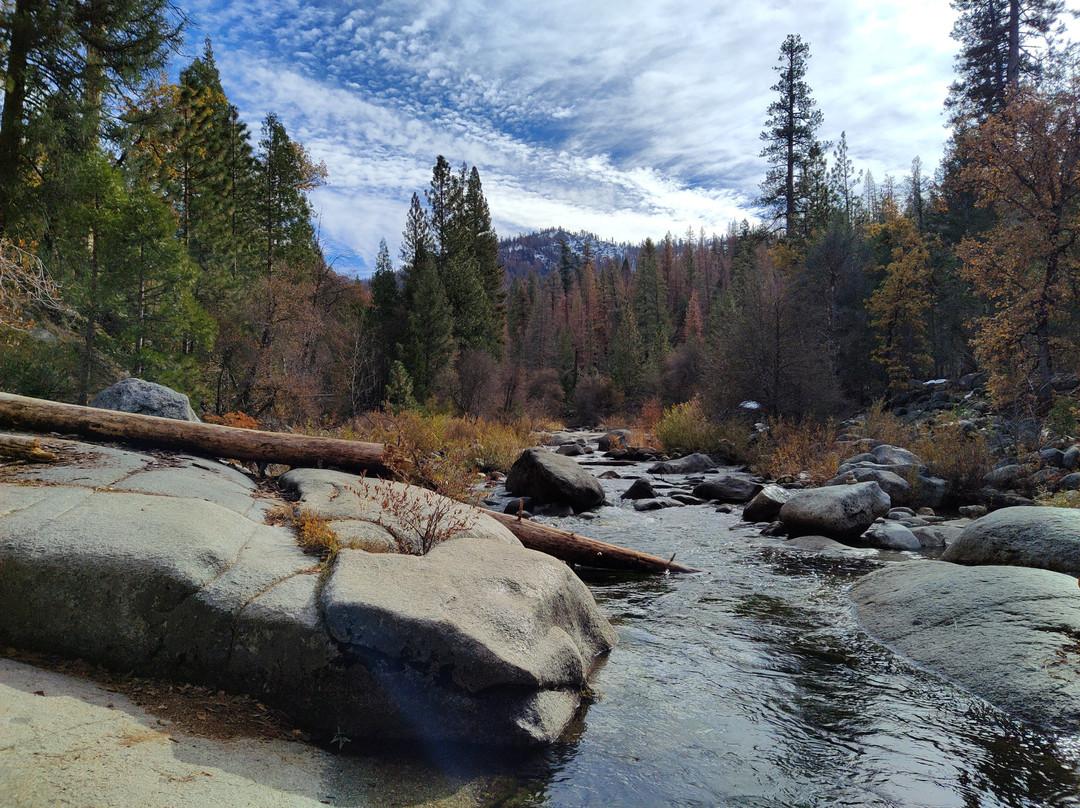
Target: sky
[625,118]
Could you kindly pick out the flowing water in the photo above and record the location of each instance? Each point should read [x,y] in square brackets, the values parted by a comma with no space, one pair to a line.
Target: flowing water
[751,684]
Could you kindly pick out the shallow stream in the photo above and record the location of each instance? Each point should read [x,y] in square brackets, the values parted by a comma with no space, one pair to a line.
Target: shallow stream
[751,684]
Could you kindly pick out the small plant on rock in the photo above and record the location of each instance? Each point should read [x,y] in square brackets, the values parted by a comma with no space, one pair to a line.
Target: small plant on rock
[418,519]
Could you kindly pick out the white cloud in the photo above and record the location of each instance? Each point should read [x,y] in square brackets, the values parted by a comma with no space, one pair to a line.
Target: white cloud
[626,119]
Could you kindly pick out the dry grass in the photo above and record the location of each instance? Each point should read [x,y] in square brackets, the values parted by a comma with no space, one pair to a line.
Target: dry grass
[313,533]
[790,448]
[417,519]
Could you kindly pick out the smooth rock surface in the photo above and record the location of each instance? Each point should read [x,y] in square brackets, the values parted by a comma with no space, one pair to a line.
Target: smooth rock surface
[839,512]
[1032,536]
[549,477]
[480,641]
[1006,633]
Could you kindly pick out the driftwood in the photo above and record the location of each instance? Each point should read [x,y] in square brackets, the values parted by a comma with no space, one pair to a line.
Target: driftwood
[37,415]
[581,549]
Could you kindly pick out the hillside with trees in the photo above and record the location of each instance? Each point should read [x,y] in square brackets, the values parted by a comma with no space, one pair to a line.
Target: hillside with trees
[147,232]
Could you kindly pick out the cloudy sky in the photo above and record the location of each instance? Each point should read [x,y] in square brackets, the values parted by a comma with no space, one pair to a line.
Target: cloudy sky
[626,118]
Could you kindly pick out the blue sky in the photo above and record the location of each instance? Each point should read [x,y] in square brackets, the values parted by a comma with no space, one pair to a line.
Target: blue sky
[627,118]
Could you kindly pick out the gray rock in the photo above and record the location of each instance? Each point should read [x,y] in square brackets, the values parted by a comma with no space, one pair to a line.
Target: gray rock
[684,465]
[888,455]
[839,512]
[898,489]
[1052,457]
[728,488]
[145,398]
[573,450]
[1070,482]
[483,618]
[825,546]
[928,492]
[1016,476]
[1001,632]
[1071,458]
[1043,538]
[766,503]
[641,488]
[892,536]
[548,477]
[933,537]
[478,641]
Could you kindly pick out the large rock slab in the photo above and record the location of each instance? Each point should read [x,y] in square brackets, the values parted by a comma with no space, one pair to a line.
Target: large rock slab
[1031,536]
[145,398]
[480,641]
[838,512]
[518,628]
[1006,633]
[549,477]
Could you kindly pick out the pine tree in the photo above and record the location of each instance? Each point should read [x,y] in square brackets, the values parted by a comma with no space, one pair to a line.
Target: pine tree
[790,136]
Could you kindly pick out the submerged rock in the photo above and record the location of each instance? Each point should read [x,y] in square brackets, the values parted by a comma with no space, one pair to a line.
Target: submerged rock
[1006,633]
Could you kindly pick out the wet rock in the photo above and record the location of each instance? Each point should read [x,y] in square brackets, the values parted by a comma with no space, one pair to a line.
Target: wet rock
[1042,538]
[840,512]
[766,503]
[145,398]
[551,478]
[573,450]
[684,465]
[1001,632]
[514,506]
[641,488]
[728,488]
[892,535]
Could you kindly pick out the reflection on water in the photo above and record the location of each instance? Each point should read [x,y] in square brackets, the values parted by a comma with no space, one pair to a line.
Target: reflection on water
[750,684]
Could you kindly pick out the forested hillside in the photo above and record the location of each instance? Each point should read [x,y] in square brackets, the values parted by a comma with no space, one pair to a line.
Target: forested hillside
[149,233]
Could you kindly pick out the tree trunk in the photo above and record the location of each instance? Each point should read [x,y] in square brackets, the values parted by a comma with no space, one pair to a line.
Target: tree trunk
[19,412]
[582,550]
[11,120]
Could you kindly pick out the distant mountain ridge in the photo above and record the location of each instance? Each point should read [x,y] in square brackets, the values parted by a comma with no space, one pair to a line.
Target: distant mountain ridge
[540,252]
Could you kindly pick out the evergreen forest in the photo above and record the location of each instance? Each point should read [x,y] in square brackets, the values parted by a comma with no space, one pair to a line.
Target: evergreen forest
[146,231]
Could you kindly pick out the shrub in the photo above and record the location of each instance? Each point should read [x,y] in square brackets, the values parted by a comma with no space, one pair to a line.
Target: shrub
[684,428]
[417,519]
[881,425]
[958,456]
[792,447]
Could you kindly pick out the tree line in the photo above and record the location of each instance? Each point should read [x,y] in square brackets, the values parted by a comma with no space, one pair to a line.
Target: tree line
[148,232]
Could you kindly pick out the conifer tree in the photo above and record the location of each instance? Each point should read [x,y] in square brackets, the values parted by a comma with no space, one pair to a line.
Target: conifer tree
[790,137]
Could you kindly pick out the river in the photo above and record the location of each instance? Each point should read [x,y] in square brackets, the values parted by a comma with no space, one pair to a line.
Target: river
[751,684]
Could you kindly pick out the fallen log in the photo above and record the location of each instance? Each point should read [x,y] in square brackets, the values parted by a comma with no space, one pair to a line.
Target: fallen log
[214,440]
[582,550]
[37,415]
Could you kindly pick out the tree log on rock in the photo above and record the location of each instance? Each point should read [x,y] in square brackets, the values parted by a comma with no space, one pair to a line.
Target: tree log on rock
[37,415]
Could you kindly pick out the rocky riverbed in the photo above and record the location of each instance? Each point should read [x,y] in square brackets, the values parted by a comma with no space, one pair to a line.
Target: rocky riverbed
[803,670]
